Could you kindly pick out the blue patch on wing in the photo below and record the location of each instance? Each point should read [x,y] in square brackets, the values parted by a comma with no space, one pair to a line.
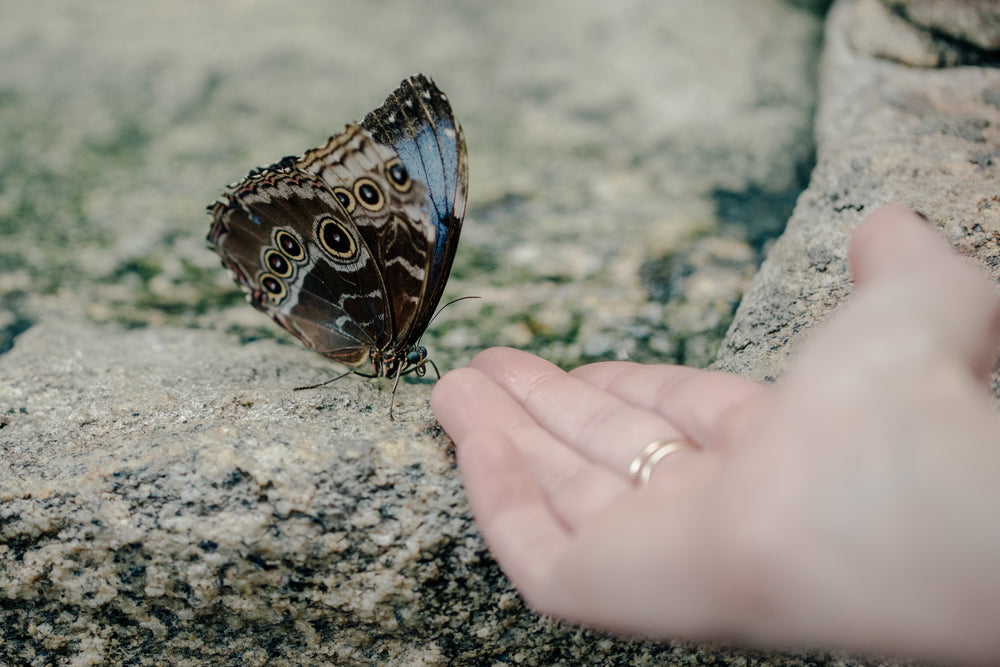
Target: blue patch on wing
[432,158]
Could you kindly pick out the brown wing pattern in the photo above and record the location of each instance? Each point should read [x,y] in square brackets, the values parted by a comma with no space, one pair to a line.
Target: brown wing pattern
[300,259]
[388,209]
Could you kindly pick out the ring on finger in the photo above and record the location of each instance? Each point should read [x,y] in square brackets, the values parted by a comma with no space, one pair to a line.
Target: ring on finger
[643,464]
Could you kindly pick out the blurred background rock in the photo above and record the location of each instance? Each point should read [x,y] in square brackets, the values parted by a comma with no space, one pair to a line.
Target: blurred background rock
[629,161]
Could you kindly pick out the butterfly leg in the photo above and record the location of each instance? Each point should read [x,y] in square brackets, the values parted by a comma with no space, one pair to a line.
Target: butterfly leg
[392,396]
[323,384]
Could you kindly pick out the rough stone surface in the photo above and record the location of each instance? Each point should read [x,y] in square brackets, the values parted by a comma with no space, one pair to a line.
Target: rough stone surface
[927,34]
[165,498]
[976,22]
[880,32]
[885,133]
[248,526]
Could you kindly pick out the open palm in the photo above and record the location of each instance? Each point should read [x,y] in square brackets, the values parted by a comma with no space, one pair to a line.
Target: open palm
[851,504]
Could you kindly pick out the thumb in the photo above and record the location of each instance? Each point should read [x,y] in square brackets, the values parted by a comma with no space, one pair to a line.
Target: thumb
[892,239]
[900,253]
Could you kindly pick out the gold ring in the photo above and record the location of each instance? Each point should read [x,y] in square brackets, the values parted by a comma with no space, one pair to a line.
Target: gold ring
[653,453]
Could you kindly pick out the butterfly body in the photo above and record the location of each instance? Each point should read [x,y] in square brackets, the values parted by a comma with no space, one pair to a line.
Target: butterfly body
[349,246]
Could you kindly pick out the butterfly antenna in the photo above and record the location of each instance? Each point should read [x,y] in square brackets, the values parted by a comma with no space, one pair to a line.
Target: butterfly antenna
[428,361]
[461,298]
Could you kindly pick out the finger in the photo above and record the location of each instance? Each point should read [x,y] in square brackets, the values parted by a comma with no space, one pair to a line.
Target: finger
[465,400]
[926,288]
[510,509]
[892,239]
[604,428]
[703,404]
[469,403]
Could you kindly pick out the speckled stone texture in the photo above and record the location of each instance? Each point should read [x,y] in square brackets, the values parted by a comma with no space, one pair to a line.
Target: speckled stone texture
[886,132]
[166,498]
[973,22]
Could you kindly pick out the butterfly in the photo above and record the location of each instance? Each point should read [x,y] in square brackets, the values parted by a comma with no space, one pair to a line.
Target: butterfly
[349,246]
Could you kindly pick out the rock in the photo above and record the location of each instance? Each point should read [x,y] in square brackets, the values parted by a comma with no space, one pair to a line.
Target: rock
[876,30]
[976,22]
[885,133]
[165,493]
[927,34]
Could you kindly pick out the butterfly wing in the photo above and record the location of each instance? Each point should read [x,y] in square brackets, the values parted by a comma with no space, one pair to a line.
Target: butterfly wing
[388,208]
[349,247]
[299,257]
[416,120]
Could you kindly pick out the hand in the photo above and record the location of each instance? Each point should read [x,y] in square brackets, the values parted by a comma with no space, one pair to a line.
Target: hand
[853,504]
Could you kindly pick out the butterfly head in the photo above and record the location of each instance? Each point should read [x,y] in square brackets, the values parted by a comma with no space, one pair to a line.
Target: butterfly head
[416,358]
[402,362]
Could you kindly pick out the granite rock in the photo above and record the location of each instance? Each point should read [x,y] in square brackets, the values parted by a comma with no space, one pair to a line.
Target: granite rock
[975,22]
[927,34]
[886,132]
[144,523]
